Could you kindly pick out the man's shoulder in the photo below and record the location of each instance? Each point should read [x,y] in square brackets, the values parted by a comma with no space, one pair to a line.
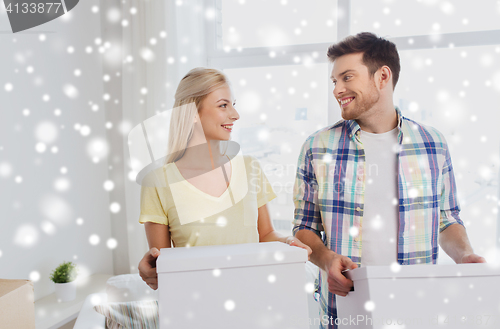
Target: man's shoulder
[423,132]
[327,133]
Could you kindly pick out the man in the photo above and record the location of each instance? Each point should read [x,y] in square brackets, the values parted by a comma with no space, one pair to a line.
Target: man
[378,185]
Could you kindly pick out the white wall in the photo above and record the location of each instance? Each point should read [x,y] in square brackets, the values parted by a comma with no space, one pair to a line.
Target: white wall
[39,222]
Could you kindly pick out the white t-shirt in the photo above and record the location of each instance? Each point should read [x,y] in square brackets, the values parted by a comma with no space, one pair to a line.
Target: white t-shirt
[379,229]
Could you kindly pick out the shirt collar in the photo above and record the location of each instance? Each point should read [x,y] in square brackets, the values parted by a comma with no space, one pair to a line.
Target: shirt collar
[353,128]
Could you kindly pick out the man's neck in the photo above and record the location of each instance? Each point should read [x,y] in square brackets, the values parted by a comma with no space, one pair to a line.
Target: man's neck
[379,122]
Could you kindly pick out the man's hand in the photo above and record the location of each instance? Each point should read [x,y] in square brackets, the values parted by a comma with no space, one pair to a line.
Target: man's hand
[293,241]
[337,282]
[147,268]
[472,258]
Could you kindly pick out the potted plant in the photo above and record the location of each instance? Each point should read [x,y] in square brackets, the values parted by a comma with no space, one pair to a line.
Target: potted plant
[64,279]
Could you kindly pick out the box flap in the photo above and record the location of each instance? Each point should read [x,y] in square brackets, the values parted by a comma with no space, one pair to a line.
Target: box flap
[423,271]
[228,256]
[17,307]
[7,286]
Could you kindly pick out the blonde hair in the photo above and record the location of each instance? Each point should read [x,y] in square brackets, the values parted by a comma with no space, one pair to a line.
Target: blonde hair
[193,88]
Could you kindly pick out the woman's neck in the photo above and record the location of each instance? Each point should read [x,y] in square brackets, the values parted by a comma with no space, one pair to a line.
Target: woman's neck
[202,155]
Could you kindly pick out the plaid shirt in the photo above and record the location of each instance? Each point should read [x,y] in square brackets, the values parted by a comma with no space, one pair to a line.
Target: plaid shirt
[329,193]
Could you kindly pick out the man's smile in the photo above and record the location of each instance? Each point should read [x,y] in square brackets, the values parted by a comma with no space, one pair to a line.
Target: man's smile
[346,101]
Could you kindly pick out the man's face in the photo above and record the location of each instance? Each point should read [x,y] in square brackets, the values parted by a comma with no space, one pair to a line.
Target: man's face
[355,89]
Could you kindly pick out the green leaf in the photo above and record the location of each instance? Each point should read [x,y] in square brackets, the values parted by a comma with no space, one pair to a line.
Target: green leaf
[64,273]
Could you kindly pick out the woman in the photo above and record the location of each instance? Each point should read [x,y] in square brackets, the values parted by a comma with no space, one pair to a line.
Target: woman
[203,196]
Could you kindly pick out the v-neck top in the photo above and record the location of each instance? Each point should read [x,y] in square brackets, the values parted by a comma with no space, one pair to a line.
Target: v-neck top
[196,218]
[174,171]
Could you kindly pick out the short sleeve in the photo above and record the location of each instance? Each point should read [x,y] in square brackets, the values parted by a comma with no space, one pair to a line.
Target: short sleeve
[151,207]
[265,192]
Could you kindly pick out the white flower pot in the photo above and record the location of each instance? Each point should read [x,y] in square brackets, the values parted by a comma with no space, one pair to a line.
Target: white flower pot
[65,292]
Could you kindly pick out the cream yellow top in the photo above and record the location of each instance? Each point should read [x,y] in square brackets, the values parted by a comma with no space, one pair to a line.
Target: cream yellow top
[196,218]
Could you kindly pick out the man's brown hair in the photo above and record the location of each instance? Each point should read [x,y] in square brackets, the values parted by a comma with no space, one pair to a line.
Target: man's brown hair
[377,52]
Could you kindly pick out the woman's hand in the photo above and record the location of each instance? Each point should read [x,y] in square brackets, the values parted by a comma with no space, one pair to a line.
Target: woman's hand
[147,268]
[293,241]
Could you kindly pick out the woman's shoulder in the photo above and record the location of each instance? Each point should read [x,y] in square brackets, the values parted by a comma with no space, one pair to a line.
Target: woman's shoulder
[252,165]
[246,158]
[249,160]
[158,177]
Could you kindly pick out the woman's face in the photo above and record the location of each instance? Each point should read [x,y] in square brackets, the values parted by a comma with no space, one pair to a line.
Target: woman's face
[217,114]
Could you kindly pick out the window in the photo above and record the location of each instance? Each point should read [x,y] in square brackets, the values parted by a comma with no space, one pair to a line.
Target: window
[423,17]
[279,107]
[272,23]
[275,58]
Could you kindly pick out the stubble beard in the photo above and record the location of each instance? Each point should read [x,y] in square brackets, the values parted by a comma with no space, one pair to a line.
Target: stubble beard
[362,108]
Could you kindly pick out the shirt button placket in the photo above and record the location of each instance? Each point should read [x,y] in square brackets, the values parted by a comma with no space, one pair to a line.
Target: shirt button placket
[356,239]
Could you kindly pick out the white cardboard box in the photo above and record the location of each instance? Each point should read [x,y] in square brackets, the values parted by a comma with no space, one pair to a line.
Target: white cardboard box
[422,296]
[245,286]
